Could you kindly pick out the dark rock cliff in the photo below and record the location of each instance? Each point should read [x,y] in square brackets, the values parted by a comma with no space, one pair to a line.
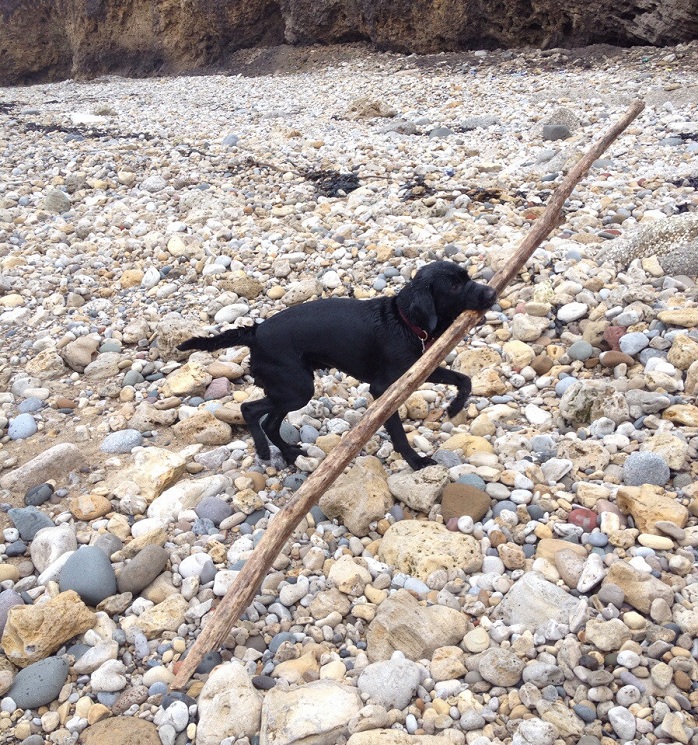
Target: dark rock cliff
[54,39]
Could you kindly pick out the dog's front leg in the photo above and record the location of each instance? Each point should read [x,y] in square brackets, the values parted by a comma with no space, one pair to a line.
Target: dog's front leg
[461,382]
[400,443]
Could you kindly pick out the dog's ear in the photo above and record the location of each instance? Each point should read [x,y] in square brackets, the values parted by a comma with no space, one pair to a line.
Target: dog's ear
[417,303]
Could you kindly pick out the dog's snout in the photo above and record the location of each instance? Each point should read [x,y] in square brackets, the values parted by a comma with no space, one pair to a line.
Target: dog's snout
[489,296]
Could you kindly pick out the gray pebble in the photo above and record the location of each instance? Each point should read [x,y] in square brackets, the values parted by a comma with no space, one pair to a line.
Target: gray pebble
[108,543]
[89,573]
[645,467]
[633,343]
[39,684]
[29,521]
[8,599]
[22,426]
[580,350]
[122,441]
[214,509]
[31,404]
[554,132]
[145,566]
[37,495]
[473,479]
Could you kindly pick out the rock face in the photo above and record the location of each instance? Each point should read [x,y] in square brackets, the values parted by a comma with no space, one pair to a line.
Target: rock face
[53,40]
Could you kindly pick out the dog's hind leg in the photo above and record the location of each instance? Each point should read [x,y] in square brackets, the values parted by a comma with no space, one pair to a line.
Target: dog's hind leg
[297,390]
[272,428]
[253,411]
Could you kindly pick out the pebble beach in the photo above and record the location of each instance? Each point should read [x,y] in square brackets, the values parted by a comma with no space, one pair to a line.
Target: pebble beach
[538,586]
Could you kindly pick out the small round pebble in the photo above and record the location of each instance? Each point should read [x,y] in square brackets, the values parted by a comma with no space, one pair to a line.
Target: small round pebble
[645,467]
[22,426]
[122,441]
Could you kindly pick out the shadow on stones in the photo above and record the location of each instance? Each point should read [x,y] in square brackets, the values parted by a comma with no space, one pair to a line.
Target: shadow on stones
[330,183]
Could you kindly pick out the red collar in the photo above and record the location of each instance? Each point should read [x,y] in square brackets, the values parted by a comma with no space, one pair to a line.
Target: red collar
[421,334]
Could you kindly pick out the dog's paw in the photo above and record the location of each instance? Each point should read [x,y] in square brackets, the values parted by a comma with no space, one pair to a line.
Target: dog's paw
[291,452]
[416,464]
[455,407]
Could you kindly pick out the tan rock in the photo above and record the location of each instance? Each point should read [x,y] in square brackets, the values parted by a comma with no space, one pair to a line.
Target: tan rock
[147,417]
[672,449]
[518,353]
[527,328]
[327,601]
[359,497]
[686,317]
[419,489]
[567,723]
[47,364]
[89,506]
[401,623]
[183,244]
[584,454]
[165,616]
[570,565]
[204,428]
[317,713]
[191,378]
[685,414]
[512,555]
[33,632]
[468,443]
[229,370]
[349,575]
[589,494]
[79,353]
[547,548]
[691,382]
[229,705]
[488,383]
[242,284]
[447,663]
[649,504]
[420,548]
[683,352]
[393,737]
[8,572]
[120,731]
[155,537]
[417,406]
[154,470]
[482,426]
[160,589]
[131,278]
[607,635]
[472,361]
[303,669]
[230,413]
[640,588]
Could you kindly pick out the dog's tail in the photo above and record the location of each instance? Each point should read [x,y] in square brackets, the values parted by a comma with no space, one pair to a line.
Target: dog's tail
[241,337]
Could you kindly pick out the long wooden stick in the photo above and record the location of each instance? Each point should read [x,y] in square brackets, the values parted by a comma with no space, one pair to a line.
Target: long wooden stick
[242,591]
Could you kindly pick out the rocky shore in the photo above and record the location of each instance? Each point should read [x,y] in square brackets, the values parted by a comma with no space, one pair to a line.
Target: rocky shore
[537,586]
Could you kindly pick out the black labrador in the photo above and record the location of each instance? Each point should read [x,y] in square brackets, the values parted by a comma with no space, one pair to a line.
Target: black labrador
[374,340]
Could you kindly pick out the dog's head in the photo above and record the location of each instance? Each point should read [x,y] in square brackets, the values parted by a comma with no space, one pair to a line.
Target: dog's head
[438,293]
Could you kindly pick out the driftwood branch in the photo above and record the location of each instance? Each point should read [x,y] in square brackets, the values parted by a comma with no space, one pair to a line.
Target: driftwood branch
[242,591]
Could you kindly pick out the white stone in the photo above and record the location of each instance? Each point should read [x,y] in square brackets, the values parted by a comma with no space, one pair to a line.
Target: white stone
[229,705]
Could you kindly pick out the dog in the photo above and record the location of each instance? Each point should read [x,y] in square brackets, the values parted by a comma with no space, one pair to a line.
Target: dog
[374,340]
